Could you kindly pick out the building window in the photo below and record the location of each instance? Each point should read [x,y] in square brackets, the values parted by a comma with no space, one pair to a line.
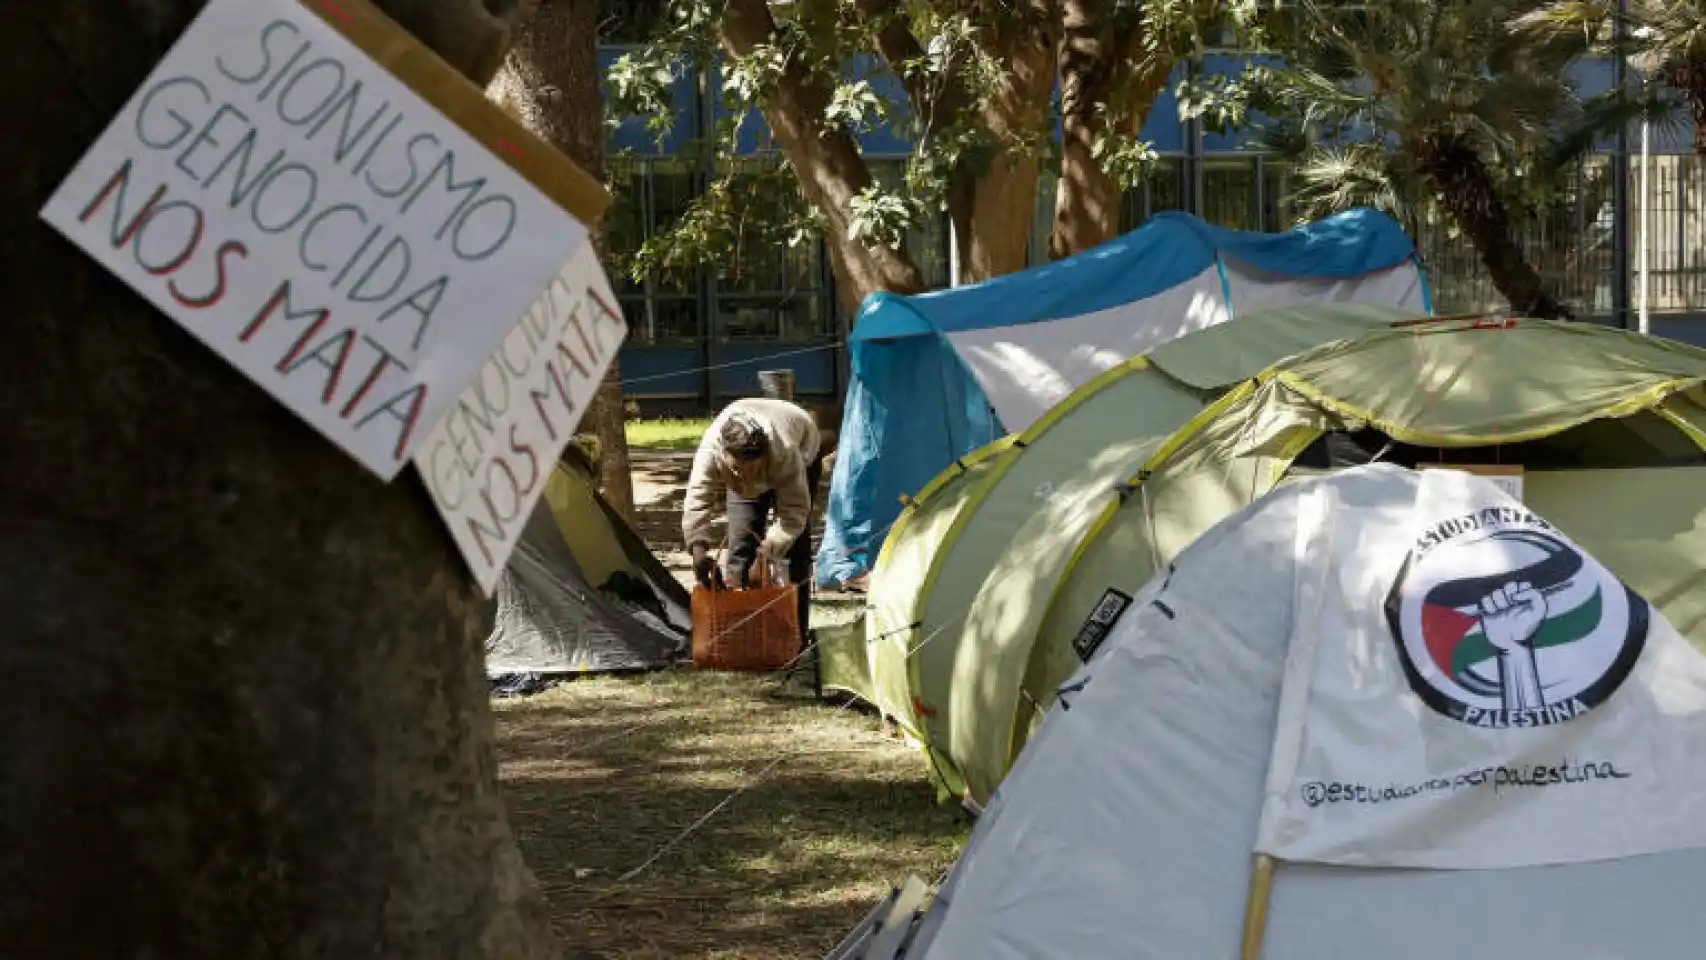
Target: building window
[630,21]
[1163,189]
[649,196]
[1279,212]
[770,289]
[624,228]
[1568,240]
[1229,193]
[927,243]
[1675,230]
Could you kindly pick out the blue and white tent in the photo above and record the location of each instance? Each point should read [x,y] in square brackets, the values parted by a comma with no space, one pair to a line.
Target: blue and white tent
[937,375]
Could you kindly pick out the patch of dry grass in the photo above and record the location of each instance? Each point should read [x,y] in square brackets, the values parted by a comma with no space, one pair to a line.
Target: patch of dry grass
[603,771]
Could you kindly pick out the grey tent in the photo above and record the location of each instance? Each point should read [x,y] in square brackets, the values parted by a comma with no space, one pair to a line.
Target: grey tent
[582,592]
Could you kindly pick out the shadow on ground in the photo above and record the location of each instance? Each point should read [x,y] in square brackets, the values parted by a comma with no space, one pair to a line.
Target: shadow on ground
[822,812]
[604,773]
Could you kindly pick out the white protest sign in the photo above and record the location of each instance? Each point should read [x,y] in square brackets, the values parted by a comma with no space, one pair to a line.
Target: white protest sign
[487,461]
[316,222]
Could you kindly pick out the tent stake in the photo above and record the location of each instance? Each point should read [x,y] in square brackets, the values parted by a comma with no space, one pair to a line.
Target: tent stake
[1256,913]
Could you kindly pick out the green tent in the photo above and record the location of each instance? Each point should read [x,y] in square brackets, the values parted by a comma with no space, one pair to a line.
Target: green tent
[993,533]
[1012,558]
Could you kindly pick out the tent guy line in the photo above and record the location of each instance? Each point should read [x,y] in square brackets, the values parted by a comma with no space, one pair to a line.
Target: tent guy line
[1085,501]
[732,363]
[707,816]
[722,804]
[773,764]
[765,771]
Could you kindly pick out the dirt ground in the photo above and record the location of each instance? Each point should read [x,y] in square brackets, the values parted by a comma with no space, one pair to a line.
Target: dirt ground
[820,815]
[806,812]
[660,487]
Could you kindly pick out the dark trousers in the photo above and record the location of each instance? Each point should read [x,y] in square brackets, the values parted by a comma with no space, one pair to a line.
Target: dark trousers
[748,519]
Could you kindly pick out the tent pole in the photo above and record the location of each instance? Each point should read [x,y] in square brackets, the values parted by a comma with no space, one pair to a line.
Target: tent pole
[953,255]
[1256,912]
[1643,315]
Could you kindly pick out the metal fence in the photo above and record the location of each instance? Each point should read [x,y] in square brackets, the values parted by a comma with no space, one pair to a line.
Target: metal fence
[1573,245]
[770,298]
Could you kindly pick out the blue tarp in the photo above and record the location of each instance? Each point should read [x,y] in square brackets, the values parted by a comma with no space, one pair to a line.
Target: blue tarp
[913,406]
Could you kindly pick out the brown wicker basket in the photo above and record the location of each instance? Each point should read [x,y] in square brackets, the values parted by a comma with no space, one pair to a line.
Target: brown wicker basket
[757,628]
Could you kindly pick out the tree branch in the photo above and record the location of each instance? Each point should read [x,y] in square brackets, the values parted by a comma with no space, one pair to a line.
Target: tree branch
[894,42]
[826,157]
[938,107]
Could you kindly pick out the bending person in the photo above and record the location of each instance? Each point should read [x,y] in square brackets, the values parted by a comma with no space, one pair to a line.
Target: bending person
[763,456]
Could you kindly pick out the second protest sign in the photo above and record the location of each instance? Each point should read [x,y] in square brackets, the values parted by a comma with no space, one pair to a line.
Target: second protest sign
[487,461]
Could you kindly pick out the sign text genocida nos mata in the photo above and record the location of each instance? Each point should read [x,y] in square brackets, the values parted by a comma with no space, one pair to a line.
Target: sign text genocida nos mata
[315,221]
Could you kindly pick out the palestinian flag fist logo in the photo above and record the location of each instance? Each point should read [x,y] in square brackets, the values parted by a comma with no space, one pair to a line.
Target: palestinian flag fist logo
[1502,623]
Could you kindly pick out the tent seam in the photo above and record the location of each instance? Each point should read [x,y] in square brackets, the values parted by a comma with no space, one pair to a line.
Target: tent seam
[1646,399]
[1225,284]
[1427,288]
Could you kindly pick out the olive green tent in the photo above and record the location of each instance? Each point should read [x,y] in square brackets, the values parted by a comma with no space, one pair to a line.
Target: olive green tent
[1008,568]
[1025,501]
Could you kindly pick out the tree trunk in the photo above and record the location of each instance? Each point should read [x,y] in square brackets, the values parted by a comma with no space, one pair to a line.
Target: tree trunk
[1467,191]
[1087,200]
[1690,78]
[550,81]
[997,237]
[827,162]
[243,710]
[1106,83]
[892,38]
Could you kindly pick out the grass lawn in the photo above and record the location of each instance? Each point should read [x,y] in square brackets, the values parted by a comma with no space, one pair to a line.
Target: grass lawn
[665,434]
[602,772]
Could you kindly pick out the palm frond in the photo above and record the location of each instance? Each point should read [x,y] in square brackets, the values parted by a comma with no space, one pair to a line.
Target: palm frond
[1333,178]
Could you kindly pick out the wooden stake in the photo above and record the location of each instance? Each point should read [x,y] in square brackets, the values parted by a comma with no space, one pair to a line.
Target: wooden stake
[1256,912]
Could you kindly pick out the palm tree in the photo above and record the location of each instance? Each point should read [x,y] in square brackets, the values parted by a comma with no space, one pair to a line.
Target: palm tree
[1665,39]
[1442,103]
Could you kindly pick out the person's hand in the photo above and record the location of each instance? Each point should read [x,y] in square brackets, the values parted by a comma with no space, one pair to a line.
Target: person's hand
[703,564]
[775,546]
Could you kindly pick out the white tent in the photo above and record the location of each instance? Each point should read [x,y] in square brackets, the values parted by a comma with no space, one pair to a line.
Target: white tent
[1305,736]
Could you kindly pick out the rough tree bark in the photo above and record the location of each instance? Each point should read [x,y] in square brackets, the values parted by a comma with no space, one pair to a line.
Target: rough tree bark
[990,211]
[892,38]
[243,711]
[550,82]
[1690,78]
[995,235]
[830,169]
[1468,192]
[1106,82]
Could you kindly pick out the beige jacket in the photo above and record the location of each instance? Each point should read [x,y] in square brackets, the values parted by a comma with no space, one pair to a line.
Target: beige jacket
[794,444]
